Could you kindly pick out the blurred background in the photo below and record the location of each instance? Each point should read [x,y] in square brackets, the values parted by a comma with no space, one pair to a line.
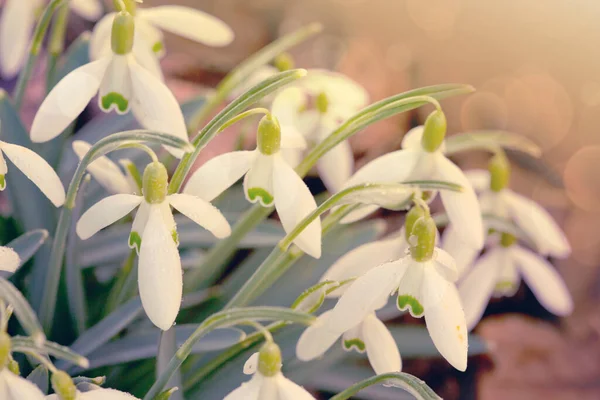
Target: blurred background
[536,67]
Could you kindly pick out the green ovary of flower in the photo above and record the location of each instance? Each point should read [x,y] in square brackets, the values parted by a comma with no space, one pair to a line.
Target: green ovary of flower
[4,349]
[63,385]
[259,193]
[155,183]
[423,238]
[406,302]
[434,131]
[121,38]
[358,344]
[284,62]
[499,169]
[117,99]
[269,359]
[409,221]
[268,136]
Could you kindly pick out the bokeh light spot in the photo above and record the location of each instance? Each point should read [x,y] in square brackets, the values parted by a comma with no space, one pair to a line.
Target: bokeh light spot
[582,180]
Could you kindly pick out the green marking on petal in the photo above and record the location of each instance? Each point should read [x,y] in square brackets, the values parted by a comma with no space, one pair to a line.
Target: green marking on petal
[2,182]
[355,344]
[505,288]
[158,47]
[175,237]
[406,302]
[117,100]
[255,194]
[135,241]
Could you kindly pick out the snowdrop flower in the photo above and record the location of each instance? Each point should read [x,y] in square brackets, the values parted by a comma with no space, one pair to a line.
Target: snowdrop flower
[283,62]
[154,236]
[122,84]
[63,384]
[315,107]
[498,272]
[107,173]
[16,27]
[267,383]
[422,157]
[424,283]
[269,180]
[183,21]
[33,167]
[12,386]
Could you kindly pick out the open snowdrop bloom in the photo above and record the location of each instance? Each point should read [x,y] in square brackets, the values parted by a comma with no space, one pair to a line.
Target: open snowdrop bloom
[422,157]
[315,107]
[12,386]
[267,383]
[122,84]
[269,180]
[16,27]
[107,173]
[498,272]
[424,283]
[33,167]
[183,21]
[66,390]
[154,236]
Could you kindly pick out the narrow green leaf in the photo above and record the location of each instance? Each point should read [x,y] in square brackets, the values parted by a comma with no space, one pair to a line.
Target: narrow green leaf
[491,140]
[401,380]
[28,244]
[166,350]
[26,344]
[22,310]
[39,377]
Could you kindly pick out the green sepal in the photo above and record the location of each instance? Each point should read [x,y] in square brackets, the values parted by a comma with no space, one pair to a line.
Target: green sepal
[266,198]
[410,303]
[355,344]
[114,100]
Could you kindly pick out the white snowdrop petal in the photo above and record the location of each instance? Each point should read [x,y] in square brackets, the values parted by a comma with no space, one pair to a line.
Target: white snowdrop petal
[37,170]
[538,224]
[251,364]
[9,259]
[317,338]
[219,173]
[104,170]
[366,294]
[159,272]
[106,394]
[115,89]
[67,100]
[285,108]
[412,138]
[462,253]
[362,259]
[138,226]
[335,167]
[100,41]
[446,265]
[392,167]
[545,282]
[289,390]
[478,284]
[447,328]
[480,179]
[155,106]
[105,212]
[88,9]
[248,390]
[16,26]
[340,90]
[462,208]
[18,388]
[293,202]
[3,166]
[189,23]
[258,182]
[201,212]
[382,350]
[410,295]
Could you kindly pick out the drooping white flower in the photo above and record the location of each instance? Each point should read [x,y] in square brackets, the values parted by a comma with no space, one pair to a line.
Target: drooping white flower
[99,394]
[33,167]
[422,157]
[154,236]
[315,107]
[14,387]
[9,259]
[267,383]
[269,180]
[424,284]
[123,85]
[106,172]
[183,21]
[16,27]
[498,272]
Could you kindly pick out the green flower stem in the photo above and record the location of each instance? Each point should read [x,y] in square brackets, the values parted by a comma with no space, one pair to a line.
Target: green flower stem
[56,43]
[402,380]
[34,51]
[122,289]
[243,115]
[492,141]
[119,140]
[234,108]
[240,73]
[225,318]
[27,345]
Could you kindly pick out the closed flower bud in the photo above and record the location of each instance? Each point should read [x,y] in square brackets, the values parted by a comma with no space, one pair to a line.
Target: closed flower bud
[269,359]
[284,62]
[423,239]
[499,168]
[4,349]
[269,135]
[122,33]
[155,183]
[63,386]
[434,131]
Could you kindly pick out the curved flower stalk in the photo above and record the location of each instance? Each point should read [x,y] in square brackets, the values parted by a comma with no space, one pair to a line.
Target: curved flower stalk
[315,107]
[422,157]
[107,173]
[424,283]
[122,83]
[154,236]
[267,383]
[269,180]
[183,21]
[66,390]
[16,26]
[33,167]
